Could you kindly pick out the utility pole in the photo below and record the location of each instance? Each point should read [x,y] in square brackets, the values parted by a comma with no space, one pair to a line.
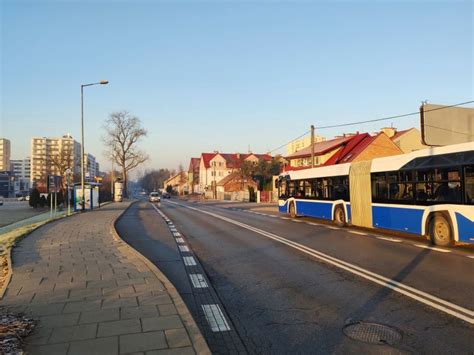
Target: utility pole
[312,146]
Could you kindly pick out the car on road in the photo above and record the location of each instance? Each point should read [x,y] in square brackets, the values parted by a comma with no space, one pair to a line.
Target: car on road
[154,197]
[166,195]
[1,201]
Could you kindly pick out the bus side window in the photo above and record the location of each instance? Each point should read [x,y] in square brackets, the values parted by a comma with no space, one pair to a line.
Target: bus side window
[291,189]
[282,189]
[469,184]
[379,187]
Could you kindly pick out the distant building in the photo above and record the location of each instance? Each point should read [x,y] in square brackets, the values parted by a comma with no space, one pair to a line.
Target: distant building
[193,175]
[304,142]
[53,156]
[21,169]
[357,147]
[215,166]
[91,166]
[235,182]
[407,140]
[5,152]
[178,182]
[7,184]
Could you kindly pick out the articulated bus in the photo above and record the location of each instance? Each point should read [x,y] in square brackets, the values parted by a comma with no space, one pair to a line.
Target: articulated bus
[428,192]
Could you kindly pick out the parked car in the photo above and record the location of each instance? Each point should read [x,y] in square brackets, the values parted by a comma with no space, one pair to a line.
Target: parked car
[154,197]
[166,195]
[1,201]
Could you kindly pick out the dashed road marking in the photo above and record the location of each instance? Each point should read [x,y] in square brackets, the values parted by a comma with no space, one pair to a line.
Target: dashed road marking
[297,221]
[176,234]
[180,240]
[215,318]
[183,248]
[198,281]
[432,248]
[390,239]
[313,224]
[358,233]
[331,227]
[285,218]
[411,292]
[471,256]
[189,261]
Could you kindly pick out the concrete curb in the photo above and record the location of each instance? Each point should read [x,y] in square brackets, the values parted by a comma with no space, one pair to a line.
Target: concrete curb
[198,341]
[9,273]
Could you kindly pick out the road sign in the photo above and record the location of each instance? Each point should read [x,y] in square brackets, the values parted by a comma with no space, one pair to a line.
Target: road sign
[54,183]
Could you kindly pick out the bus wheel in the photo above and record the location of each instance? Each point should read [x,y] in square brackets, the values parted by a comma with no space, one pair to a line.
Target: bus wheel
[440,230]
[292,210]
[339,216]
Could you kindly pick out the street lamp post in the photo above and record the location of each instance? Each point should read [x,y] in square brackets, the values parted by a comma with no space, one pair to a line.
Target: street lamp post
[102,82]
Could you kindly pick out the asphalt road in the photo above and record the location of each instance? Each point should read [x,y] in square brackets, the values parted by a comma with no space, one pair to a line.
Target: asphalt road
[296,287]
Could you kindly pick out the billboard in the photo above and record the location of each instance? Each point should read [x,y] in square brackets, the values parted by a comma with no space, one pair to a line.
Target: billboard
[444,125]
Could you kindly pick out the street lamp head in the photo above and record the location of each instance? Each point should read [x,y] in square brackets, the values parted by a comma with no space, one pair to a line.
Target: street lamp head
[103,82]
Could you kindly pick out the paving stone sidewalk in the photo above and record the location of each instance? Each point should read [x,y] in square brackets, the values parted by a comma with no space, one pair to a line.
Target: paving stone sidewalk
[92,295]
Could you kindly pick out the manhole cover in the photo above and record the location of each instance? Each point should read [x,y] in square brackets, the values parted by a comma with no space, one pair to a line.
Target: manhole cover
[372,333]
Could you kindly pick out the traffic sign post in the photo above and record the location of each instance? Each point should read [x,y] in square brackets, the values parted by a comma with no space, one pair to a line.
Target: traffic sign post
[54,181]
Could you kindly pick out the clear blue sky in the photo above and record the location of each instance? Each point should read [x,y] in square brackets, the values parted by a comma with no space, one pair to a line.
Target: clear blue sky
[223,75]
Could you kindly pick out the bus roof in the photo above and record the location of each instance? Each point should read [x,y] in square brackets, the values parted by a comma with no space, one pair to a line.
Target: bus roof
[321,171]
[391,163]
[396,162]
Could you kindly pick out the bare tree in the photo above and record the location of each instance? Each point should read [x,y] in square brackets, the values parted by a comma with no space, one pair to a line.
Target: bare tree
[62,161]
[123,132]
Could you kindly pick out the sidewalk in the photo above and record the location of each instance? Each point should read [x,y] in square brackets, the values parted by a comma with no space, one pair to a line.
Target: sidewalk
[93,294]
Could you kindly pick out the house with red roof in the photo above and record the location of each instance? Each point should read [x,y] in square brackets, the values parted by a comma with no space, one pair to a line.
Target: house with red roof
[407,140]
[213,167]
[351,148]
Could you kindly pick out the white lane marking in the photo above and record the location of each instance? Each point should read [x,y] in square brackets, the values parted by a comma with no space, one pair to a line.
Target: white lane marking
[432,248]
[180,240]
[313,224]
[390,239]
[215,317]
[198,280]
[285,218]
[331,227]
[189,261]
[358,233]
[183,248]
[471,256]
[270,215]
[421,296]
[176,234]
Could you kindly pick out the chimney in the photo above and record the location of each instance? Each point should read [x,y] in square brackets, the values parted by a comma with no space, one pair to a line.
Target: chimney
[389,131]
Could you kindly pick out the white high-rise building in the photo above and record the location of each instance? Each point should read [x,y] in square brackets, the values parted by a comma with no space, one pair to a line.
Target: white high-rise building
[21,169]
[52,156]
[91,166]
[5,153]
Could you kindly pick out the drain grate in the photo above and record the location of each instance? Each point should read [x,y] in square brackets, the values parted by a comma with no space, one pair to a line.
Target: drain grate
[372,333]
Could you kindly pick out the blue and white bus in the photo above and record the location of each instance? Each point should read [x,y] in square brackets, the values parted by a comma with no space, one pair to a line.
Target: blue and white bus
[428,192]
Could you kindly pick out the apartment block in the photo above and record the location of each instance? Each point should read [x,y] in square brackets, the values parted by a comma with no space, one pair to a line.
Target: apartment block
[21,169]
[5,152]
[91,166]
[53,156]
[301,143]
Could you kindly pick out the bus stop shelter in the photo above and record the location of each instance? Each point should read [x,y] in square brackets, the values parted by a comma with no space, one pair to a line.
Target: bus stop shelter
[91,192]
